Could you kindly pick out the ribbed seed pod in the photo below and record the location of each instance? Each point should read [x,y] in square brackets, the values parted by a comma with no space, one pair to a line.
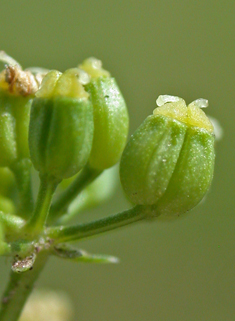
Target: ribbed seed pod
[111,119]
[169,160]
[61,125]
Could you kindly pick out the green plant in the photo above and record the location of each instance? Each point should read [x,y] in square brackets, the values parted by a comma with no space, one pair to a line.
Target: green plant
[74,125]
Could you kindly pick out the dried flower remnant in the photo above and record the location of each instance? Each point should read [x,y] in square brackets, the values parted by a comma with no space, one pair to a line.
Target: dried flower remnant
[17,81]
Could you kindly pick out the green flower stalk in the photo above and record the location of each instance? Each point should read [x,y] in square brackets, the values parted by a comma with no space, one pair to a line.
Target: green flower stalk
[7,191]
[175,152]
[93,195]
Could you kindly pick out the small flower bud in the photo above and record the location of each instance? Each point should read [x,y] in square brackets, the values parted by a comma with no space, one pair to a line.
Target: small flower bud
[61,125]
[110,116]
[169,160]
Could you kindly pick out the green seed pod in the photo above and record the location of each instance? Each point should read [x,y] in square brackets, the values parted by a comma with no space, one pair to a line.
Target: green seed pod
[61,125]
[169,160]
[17,88]
[111,120]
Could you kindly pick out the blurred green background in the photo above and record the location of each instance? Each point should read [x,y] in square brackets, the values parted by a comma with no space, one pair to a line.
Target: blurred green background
[183,270]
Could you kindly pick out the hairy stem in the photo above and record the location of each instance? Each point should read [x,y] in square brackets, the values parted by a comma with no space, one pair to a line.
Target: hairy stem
[18,290]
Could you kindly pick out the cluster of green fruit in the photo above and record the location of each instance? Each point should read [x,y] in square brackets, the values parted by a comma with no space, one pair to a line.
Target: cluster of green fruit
[76,122]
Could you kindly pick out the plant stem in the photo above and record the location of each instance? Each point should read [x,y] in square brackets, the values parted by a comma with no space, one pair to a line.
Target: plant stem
[42,207]
[81,231]
[22,173]
[86,176]
[18,290]
[11,222]
[5,248]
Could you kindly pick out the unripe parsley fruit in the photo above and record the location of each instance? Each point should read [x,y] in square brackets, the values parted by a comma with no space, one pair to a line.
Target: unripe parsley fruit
[17,88]
[169,160]
[61,125]
[111,121]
